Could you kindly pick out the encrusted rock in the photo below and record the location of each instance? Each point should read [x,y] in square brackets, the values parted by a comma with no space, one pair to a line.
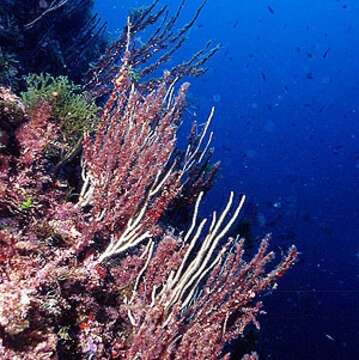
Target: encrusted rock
[12,110]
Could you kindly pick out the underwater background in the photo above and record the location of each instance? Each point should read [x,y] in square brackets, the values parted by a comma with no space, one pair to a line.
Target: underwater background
[285,86]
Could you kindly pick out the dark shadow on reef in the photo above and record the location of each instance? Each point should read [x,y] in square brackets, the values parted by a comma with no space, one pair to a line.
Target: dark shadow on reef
[36,37]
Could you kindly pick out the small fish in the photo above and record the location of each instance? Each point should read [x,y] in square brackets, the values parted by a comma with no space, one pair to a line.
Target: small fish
[216,98]
[277,204]
[326,52]
[226,148]
[336,149]
[264,77]
[309,76]
[270,9]
[329,337]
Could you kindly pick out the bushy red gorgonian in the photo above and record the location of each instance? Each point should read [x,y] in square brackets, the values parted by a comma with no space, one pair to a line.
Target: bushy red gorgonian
[102,276]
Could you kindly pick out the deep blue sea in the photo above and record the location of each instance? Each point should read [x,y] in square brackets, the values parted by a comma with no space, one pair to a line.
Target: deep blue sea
[286,90]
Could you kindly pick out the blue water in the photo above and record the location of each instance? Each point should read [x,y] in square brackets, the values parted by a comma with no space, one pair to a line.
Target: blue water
[286,89]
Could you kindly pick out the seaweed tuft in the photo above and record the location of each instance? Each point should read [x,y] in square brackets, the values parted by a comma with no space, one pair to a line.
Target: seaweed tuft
[71,108]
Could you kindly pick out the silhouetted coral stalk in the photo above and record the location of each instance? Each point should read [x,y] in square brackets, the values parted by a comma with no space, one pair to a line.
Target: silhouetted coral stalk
[156,50]
[53,6]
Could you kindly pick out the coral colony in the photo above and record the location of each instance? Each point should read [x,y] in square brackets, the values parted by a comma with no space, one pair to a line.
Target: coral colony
[89,266]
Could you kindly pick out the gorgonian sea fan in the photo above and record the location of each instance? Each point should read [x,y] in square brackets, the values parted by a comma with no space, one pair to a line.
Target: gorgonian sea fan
[103,277]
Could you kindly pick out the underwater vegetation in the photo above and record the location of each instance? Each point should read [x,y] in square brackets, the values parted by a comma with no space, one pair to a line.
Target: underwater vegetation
[93,264]
[74,111]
